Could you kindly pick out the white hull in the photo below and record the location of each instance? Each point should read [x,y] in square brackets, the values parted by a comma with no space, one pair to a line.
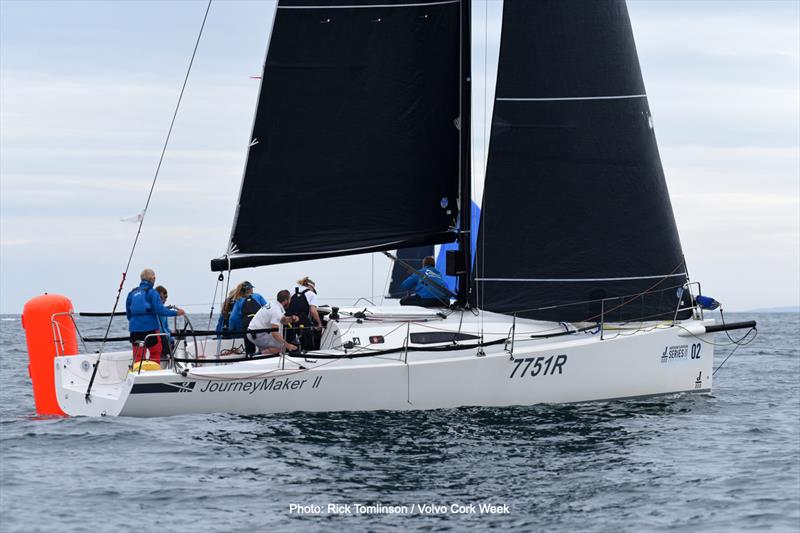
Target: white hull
[651,360]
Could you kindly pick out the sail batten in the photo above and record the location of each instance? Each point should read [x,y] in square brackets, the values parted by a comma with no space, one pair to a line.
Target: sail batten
[568,98]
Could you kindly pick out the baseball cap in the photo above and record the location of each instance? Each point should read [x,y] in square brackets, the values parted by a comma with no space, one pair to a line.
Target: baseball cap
[248,285]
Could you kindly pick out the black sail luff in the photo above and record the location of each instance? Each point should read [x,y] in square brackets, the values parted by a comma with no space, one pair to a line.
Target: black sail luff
[576,207]
[355,147]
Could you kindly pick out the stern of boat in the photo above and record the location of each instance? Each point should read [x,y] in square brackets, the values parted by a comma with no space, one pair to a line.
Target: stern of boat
[110,389]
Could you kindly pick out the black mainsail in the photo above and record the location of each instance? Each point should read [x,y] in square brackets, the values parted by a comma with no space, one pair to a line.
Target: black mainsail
[355,145]
[575,207]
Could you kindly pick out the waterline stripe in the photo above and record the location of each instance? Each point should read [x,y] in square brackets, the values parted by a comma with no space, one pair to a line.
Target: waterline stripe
[583,279]
[566,98]
[372,5]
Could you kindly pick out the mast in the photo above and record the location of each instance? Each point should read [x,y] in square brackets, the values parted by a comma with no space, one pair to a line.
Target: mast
[465,152]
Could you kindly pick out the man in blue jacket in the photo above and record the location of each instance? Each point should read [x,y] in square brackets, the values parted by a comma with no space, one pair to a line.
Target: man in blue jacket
[428,285]
[143,308]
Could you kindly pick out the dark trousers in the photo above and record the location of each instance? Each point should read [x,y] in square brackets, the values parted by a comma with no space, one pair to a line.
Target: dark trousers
[249,347]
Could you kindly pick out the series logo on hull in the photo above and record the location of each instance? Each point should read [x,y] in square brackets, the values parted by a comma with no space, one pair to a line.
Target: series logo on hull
[681,353]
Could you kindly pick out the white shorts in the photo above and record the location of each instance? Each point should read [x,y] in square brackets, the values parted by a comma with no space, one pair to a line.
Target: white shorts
[264,340]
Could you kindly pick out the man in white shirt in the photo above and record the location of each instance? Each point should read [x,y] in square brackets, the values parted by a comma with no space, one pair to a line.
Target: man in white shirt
[271,316]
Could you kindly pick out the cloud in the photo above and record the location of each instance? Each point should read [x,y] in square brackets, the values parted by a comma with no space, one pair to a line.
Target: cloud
[746,30]
[87,92]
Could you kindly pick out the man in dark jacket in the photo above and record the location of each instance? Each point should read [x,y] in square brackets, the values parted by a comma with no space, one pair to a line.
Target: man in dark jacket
[143,308]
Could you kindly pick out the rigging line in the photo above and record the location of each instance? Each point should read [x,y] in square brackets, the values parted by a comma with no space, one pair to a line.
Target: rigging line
[208,377]
[425,279]
[731,354]
[480,286]
[213,300]
[224,301]
[738,342]
[386,283]
[211,312]
[471,332]
[149,196]
[722,317]
[633,297]
[582,302]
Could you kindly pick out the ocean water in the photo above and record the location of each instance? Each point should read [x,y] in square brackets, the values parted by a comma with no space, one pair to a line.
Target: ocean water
[725,462]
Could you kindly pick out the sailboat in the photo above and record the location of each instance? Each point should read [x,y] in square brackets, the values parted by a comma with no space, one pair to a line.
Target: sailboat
[571,284]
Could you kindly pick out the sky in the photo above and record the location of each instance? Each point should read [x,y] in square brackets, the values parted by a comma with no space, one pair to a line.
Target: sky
[87,91]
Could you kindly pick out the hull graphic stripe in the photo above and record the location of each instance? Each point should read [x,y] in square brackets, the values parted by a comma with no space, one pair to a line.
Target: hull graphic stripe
[161,388]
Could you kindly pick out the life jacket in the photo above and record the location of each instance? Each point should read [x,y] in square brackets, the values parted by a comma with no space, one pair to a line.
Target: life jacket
[249,309]
[298,305]
[139,303]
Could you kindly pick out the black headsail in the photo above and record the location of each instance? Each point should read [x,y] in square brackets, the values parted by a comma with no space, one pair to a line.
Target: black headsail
[355,146]
[576,207]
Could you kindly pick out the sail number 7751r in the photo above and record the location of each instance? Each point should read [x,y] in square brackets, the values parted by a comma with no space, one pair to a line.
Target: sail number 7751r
[539,366]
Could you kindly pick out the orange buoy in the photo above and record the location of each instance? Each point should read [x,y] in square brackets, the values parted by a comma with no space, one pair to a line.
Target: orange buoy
[48,336]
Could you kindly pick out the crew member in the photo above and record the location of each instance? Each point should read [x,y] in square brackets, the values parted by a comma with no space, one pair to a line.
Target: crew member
[245,308]
[167,343]
[428,287]
[143,308]
[303,304]
[272,315]
[239,308]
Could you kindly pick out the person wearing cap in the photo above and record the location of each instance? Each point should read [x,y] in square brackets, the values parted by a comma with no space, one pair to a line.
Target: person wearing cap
[245,308]
[232,316]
